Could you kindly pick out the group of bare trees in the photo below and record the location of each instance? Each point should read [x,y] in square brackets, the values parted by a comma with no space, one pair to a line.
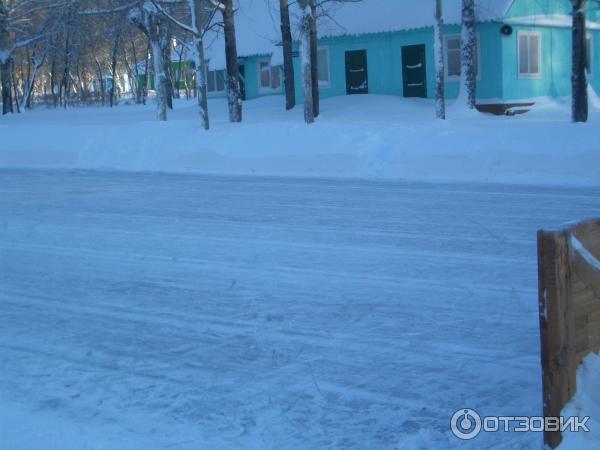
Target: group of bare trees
[79,50]
[63,50]
[82,50]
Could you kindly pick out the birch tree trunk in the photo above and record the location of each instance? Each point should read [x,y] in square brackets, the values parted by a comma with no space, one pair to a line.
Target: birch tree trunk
[6,75]
[440,99]
[288,62]
[150,21]
[14,86]
[165,46]
[314,64]
[37,62]
[66,85]
[178,76]
[161,81]
[305,29]
[199,22]
[115,51]
[53,80]
[234,95]
[136,74]
[5,61]
[201,70]
[580,64]
[468,55]
[146,73]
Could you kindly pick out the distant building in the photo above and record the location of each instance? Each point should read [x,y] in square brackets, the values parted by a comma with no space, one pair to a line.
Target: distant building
[386,47]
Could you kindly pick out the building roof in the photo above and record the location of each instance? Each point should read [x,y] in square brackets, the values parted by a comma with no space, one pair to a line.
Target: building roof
[376,16]
[258,23]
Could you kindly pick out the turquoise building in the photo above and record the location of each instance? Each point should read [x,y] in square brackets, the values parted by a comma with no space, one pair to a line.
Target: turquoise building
[387,47]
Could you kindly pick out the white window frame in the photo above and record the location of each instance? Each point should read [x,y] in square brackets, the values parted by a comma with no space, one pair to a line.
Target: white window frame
[455,78]
[590,44]
[269,89]
[529,76]
[325,84]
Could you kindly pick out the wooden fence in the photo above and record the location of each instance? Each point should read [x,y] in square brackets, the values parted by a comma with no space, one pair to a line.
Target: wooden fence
[569,306]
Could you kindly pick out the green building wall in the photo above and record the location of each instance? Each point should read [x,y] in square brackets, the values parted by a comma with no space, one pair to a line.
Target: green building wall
[384,62]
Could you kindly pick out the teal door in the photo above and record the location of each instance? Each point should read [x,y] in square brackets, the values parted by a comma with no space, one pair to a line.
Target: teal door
[357,75]
[414,71]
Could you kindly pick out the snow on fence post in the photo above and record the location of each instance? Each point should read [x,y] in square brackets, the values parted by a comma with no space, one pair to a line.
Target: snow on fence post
[569,311]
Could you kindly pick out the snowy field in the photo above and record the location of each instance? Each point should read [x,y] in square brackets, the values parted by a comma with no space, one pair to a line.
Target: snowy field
[370,136]
[157,311]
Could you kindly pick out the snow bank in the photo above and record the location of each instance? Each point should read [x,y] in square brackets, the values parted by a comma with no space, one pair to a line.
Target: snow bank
[586,402]
[358,136]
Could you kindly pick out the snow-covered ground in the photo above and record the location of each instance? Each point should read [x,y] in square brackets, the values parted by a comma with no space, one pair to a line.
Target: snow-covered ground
[356,136]
[585,403]
[162,311]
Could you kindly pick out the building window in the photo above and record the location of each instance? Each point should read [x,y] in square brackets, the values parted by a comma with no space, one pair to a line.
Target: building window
[270,77]
[452,53]
[216,81]
[589,46]
[529,55]
[275,78]
[323,66]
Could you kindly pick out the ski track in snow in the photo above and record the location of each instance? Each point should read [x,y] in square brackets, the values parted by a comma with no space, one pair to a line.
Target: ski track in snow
[163,311]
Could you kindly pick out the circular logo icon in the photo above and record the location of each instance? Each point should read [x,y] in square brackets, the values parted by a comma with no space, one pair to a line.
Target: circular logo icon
[465,424]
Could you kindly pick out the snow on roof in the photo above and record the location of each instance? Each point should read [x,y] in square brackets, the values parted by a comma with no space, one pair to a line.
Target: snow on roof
[376,16]
[258,23]
[551,20]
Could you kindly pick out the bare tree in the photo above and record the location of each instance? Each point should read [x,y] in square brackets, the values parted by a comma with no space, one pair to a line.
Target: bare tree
[21,25]
[201,15]
[5,59]
[35,62]
[438,44]
[117,43]
[288,62]
[468,53]
[305,57]
[314,62]
[151,22]
[580,63]
[234,93]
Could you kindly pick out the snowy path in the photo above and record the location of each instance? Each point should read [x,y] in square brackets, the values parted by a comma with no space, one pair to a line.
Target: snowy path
[161,311]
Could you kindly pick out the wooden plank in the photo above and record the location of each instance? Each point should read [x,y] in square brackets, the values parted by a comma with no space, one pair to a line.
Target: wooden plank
[584,297]
[583,308]
[569,309]
[589,275]
[588,233]
[586,321]
[578,286]
[553,332]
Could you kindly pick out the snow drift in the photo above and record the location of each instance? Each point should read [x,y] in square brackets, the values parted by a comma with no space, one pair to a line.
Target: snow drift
[358,136]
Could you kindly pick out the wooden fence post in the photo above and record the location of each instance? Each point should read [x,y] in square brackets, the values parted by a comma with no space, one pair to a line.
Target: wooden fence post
[569,311]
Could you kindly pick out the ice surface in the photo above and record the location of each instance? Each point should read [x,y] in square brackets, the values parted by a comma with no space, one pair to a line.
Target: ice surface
[179,311]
